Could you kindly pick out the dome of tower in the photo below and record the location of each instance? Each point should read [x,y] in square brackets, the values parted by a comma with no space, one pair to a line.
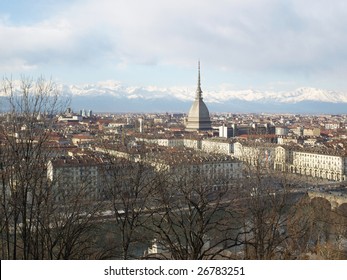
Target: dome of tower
[198,116]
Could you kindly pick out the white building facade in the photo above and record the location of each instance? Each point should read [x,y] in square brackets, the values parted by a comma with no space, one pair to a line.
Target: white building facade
[325,164]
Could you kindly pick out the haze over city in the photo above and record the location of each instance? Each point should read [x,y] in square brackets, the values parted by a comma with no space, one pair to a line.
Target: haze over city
[149,51]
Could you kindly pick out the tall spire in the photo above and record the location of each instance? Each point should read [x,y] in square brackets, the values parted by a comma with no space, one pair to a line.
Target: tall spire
[198,116]
[198,90]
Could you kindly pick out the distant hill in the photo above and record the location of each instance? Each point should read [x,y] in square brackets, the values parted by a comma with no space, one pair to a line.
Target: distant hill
[112,96]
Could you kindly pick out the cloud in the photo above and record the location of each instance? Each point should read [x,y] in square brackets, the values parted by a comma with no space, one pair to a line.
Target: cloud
[302,38]
[33,44]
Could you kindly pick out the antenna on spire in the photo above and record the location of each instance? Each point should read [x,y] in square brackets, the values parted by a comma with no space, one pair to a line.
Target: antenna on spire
[198,90]
[199,73]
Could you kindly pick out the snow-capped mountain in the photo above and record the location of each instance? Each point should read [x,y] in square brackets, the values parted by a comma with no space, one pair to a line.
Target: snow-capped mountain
[114,96]
[116,89]
[298,95]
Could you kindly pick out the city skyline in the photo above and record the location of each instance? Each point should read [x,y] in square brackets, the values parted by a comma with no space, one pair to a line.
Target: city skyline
[266,46]
[194,186]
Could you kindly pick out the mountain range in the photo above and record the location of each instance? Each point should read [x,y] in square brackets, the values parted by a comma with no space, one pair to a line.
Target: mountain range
[111,96]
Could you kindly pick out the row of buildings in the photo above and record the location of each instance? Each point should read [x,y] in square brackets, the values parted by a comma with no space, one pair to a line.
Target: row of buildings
[96,171]
[216,158]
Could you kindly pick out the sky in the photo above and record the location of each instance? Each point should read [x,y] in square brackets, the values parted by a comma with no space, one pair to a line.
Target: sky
[242,44]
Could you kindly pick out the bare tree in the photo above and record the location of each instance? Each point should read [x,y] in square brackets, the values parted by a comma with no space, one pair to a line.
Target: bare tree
[129,188]
[327,229]
[34,224]
[269,224]
[69,224]
[273,220]
[193,217]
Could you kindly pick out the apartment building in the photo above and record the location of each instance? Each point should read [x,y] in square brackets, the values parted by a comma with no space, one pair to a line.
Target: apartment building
[84,172]
[217,145]
[196,163]
[319,162]
[255,154]
[211,145]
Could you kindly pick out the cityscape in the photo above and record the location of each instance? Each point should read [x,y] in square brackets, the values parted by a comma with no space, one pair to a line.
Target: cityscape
[173,132]
[194,185]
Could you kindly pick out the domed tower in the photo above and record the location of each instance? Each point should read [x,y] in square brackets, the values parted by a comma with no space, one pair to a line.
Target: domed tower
[198,116]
